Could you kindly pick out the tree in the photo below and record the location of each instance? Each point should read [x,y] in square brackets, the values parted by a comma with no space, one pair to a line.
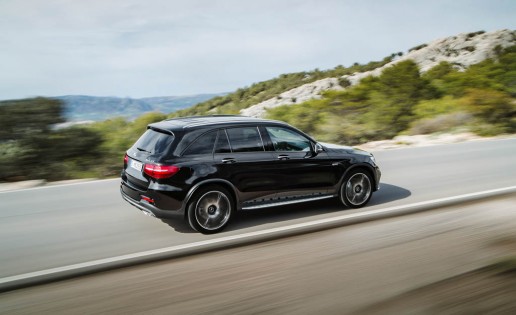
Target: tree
[24,118]
[491,106]
[439,71]
[32,147]
[398,89]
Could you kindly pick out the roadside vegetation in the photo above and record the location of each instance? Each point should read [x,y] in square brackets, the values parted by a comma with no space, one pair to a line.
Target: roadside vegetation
[32,148]
[399,101]
[403,101]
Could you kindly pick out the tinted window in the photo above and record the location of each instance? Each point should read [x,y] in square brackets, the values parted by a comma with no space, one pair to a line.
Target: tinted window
[202,145]
[154,142]
[285,139]
[245,139]
[222,145]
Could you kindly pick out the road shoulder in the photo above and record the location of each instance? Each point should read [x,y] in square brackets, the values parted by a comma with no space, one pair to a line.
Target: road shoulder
[341,270]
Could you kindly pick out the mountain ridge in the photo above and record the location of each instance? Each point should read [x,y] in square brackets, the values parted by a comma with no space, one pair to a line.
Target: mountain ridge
[98,108]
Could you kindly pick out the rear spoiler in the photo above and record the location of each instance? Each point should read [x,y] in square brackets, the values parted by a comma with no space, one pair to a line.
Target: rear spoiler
[168,132]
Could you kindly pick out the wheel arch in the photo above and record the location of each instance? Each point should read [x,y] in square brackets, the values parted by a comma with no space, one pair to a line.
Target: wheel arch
[365,166]
[212,182]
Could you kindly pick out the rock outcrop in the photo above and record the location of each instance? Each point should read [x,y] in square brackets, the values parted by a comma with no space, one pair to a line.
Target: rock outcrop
[297,95]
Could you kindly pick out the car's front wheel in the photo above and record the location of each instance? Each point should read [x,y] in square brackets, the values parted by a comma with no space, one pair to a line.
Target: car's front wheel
[356,189]
[210,209]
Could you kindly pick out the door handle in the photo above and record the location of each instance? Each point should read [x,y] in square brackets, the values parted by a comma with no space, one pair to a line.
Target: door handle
[283,157]
[228,160]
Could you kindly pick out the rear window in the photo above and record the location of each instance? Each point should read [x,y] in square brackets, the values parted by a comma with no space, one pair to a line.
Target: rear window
[154,142]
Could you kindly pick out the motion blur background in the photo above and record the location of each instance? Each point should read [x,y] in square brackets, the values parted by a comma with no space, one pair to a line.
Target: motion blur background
[63,54]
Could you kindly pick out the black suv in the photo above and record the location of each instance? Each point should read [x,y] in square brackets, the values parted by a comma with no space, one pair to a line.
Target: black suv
[206,168]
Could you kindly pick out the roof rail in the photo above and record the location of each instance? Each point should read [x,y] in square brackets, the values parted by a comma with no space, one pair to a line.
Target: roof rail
[202,116]
[206,123]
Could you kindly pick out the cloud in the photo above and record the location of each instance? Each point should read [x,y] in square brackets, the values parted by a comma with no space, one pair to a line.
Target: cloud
[159,47]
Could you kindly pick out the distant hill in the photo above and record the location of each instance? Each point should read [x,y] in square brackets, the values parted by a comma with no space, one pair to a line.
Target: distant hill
[96,108]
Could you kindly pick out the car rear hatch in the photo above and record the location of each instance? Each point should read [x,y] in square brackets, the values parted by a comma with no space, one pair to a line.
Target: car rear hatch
[151,147]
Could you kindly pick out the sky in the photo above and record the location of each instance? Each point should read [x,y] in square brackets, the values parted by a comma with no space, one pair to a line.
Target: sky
[130,48]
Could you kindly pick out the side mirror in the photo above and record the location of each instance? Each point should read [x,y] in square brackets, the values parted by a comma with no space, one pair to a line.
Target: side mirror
[318,148]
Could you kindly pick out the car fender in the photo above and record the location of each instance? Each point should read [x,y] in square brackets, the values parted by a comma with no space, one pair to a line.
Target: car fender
[224,182]
[365,165]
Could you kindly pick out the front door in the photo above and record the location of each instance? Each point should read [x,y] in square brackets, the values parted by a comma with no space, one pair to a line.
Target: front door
[298,170]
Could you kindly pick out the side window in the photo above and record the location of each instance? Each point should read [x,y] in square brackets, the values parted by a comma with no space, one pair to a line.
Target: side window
[245,139]
[284,139]
[222,145]
[202,145]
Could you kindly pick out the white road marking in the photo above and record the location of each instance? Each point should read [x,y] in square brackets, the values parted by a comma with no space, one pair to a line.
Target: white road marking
[247,236]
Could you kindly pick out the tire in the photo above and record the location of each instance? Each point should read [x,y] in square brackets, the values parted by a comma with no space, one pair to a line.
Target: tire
[356,189]
[210,209]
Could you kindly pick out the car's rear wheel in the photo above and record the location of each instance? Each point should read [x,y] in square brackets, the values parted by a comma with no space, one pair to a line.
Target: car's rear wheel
[356,189]
[210,209]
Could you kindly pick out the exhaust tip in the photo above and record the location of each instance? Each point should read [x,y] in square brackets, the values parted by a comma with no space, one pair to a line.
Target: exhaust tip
[148,213]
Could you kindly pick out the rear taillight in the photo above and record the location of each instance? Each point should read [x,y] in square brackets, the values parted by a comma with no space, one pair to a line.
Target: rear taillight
[126,159]
[160,171]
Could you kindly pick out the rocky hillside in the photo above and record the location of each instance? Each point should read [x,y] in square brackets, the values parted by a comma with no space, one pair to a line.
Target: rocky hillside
[461,51]
[296,95]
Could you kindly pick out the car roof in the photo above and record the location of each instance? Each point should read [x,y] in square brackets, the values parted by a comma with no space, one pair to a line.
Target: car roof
[204,121]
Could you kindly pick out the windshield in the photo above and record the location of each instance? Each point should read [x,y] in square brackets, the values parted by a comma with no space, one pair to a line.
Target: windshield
[154,142]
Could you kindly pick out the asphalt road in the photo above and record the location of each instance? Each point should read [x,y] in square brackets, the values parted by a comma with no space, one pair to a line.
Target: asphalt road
[50,227]
[337,271]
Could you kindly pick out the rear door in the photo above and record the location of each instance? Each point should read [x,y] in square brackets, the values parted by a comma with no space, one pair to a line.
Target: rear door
[241,158]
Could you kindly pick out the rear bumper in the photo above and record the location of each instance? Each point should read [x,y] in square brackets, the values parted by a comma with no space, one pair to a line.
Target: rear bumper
[133,197]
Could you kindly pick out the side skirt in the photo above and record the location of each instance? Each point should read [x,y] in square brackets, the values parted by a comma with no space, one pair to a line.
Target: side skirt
[283,201]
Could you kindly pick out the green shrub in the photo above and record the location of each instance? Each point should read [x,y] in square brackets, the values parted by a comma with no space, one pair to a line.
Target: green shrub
[489,130]
[439,71]
[306,116]
[473,34]
[441,123]
[344,82]
[491,106]
[434,107]
[418,47]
